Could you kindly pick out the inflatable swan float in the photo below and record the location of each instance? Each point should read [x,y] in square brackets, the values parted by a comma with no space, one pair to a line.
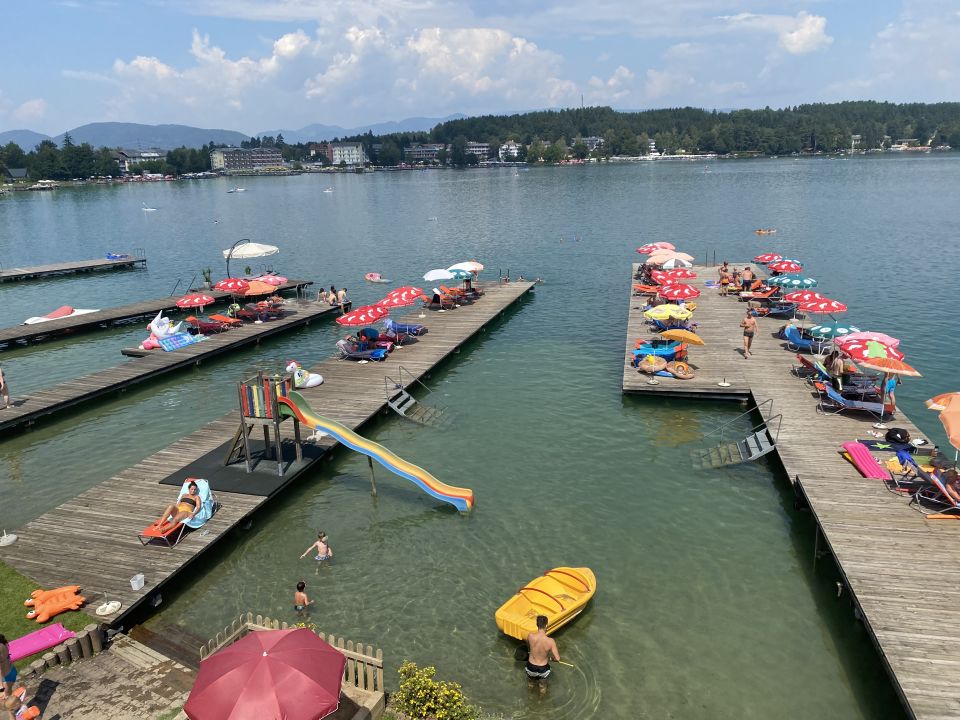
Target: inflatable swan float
[302,378]
[159,328]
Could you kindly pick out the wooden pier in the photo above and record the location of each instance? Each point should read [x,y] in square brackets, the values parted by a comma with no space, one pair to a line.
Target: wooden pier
[38,272]
[28,409]
[900,570]
[91,540]
[111,317]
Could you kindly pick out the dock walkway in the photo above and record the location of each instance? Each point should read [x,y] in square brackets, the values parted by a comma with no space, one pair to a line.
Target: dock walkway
[37,272]
[100,526]
[122,315]
[28,409]
[900,569]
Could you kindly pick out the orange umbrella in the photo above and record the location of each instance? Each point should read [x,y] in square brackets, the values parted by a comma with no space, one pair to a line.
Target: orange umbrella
[943,400]
[950,418]
[889,365]
[258,287]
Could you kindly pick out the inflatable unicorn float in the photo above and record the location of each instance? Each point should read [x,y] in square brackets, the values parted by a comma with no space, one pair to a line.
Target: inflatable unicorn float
[302,378]
[159,328]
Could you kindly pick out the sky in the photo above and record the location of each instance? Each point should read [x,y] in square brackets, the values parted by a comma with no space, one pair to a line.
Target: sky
[255,65]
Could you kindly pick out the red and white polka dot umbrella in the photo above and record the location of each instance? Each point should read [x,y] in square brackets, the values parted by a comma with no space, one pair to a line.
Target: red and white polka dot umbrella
[651,248]
[232,285]
[196,300]
[366,315]
[804,296]
[274,280]
[767,258]
[678,291]
[785,266]
[400,297]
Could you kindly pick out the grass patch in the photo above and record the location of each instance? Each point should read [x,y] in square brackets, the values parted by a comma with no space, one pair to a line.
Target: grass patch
[14,589]
[169,714]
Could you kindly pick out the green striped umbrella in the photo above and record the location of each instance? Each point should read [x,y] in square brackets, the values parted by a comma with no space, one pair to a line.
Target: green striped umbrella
[791,281]
[829,331]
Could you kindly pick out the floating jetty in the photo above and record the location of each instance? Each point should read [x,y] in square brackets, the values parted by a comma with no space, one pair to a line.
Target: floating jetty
[111,317]
[899,569]
[37,272]
[29,409]
[99,527]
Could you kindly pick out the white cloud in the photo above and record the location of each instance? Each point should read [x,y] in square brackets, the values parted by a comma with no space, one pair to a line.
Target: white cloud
[614,89]
[662,83]
[30,111]
[799,34]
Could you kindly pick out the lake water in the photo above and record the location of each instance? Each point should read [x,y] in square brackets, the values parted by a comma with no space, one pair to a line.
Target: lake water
[708,603]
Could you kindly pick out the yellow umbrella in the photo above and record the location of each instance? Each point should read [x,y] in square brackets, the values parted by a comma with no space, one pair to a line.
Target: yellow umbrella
[668,311]
[684,336]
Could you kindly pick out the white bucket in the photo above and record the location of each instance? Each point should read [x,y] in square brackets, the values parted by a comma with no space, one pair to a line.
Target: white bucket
[136,582]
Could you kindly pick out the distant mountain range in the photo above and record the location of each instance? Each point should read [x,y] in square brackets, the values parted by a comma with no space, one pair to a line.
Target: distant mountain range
[167,137]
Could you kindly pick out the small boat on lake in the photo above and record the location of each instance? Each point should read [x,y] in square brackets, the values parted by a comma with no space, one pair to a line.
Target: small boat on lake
[375,278]
[561,594]
[765,231]
[236,190]
[328,190]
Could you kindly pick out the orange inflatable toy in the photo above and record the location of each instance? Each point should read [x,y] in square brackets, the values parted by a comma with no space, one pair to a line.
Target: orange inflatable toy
[46,604]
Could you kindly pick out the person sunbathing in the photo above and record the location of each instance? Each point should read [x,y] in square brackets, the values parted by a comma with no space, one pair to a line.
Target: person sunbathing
[951,483]
[184,509]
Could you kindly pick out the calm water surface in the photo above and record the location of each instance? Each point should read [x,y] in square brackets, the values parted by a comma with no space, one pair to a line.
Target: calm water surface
[708,605]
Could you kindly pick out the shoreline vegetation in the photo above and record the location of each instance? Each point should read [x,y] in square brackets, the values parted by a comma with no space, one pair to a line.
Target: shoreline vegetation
[555,137]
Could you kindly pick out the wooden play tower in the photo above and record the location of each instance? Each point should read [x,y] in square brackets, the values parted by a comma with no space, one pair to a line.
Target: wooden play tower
[259,408]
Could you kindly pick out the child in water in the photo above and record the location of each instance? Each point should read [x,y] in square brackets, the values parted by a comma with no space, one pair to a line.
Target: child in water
[324,552]
[300,599]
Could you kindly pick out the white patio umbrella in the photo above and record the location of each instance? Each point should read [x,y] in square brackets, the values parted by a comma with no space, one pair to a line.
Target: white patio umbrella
[675,263]
[439,274]
[245,250]
[471,266]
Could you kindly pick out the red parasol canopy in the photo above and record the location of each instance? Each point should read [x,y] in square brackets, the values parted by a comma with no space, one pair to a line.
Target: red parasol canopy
[767,258]
[823,305]
[678,291]
[255,287]
[274,280]
[868,335]
[290,674]
[860,350]
[651,248]
[232,285]
[785,266]
[677,274]
[365,315]
[401,297]
[197,300]
[804,296]
[663,277]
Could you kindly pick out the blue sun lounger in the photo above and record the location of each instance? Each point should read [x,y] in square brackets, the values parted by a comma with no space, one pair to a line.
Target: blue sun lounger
[832,402]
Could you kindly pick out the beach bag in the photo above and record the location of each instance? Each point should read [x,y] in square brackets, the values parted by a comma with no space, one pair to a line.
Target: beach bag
[897,435]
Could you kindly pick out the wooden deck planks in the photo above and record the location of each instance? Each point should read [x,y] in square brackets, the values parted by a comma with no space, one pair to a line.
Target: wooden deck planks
[49,401]
[900,569]
[147,309]
[76,266]
[91,540]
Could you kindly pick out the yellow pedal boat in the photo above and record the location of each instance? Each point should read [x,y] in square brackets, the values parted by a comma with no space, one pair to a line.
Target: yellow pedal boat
[560,594]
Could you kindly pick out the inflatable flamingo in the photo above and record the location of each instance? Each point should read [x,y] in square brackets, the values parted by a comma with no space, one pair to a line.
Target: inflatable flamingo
[159,328]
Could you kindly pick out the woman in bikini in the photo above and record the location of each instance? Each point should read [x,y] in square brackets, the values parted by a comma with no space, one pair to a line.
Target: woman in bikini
[749,325]
[184,509]
[324,552]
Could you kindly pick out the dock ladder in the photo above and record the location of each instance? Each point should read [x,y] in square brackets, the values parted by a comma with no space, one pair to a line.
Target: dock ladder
[407,406]
[760,441]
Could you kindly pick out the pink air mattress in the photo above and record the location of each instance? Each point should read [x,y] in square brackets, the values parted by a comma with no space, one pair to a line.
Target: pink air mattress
[862,460]
[39,640]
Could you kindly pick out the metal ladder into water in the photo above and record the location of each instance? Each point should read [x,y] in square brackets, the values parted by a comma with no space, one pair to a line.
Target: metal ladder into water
[761,440]
[407,406]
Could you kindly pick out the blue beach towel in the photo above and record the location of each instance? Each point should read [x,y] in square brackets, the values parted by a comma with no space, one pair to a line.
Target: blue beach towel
[206,502]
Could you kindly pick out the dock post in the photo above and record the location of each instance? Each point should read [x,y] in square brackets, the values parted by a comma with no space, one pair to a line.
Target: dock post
[96,638]
[373,479]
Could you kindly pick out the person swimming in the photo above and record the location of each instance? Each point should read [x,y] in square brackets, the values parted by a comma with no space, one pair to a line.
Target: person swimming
[324,551]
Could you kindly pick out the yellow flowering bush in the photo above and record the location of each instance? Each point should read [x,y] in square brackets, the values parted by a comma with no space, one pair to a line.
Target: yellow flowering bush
[422,698]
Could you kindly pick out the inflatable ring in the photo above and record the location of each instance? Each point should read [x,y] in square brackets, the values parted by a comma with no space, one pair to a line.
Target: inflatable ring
[108,608]
[680,370]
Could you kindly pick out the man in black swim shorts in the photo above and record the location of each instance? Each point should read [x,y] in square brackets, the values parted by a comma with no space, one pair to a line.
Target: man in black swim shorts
[538,663]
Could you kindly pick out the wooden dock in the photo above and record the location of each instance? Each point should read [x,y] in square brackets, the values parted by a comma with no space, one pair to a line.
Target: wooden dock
[91,540]
[38,272]
[111,317]
[28,409]
[899,569]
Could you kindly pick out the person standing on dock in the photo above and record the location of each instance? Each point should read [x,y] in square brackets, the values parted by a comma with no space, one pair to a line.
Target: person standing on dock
[541,647]
[746,278]
[749,325]
[4,389]
[342,299]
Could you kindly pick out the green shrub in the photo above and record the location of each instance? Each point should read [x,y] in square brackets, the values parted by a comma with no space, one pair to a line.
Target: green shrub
[423,698]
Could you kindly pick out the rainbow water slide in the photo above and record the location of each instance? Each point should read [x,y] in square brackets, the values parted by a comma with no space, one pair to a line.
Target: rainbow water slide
[295,405]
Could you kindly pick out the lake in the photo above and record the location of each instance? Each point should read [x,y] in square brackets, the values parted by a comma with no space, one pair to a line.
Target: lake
[708,602]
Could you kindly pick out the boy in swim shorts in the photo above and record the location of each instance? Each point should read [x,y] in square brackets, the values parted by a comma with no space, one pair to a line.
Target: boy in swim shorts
[324,551]
[300,599]
[538,662]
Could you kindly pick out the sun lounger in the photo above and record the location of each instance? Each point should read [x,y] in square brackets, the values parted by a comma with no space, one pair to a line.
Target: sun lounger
[228,321]
[762,293]
[933,492]
[456,293]
[795,341]
[208,505]
[39,640]
[348,351]
[394,328]
[832,402]
[440,300]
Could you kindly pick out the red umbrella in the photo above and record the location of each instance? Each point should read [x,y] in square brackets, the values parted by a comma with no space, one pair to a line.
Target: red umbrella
[678,291]
[365,315]
[197,300]
[232,285]
[662,277]
[860,350]
[823,305]
[401,297]
[767,258]
[650,248]
[785,266]
[290,674]
[274,280]
[803,296]
[678,274]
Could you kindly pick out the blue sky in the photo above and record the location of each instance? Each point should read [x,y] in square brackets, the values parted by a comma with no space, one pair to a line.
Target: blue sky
[253,65]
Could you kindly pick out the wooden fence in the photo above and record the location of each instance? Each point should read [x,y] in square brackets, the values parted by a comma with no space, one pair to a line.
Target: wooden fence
[364,668]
